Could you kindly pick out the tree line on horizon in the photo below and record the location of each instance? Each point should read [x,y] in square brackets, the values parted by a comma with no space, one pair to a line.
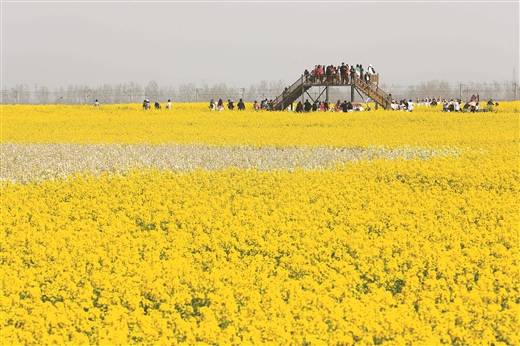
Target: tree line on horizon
[135,93]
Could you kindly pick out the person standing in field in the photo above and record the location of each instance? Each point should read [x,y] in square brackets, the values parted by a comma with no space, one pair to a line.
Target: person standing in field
[299,107]
[220,105]
[456,106]
[169,104]
[307,107]
[96,103]
[409,106]
[344,106]
[241,105]
[231,105]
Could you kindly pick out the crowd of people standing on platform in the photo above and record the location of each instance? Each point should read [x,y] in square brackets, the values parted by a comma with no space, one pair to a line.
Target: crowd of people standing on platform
[342,74]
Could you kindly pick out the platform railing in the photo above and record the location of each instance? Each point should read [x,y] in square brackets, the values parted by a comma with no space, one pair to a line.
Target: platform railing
[370,88]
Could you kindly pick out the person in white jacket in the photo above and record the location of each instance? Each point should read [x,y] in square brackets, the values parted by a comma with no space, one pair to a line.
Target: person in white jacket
[456,106]
[410,105]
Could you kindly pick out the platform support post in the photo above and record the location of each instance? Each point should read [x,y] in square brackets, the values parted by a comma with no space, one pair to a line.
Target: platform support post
[303,89]
[327,94]
[352,93]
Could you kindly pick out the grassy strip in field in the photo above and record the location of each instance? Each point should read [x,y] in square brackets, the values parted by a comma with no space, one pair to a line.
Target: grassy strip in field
[28,162]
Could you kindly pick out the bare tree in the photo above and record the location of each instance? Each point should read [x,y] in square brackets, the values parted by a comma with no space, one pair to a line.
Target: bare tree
[152,90]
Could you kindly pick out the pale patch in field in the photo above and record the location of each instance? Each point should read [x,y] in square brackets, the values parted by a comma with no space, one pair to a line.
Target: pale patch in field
[30,162]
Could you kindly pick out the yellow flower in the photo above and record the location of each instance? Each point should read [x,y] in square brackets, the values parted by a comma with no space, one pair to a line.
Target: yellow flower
[403,251]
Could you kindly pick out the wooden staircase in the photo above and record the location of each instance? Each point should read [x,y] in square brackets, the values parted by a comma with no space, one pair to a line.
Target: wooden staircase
[373,91]
[291,94]
[300,86]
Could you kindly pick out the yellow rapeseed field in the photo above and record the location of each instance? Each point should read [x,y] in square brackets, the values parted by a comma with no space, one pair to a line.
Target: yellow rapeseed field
[375,251]
[193,123]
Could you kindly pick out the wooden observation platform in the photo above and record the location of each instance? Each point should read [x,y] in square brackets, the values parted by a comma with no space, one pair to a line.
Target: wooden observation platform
[302,85]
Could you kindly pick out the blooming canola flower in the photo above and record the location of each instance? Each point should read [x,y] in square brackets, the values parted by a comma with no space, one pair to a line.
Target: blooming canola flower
[415,250]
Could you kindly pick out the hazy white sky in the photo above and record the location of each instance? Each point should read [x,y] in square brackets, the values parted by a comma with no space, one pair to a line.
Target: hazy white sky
[56,44]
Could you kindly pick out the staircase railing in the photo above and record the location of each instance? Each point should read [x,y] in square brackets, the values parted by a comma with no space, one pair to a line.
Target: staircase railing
[289,91]
[373,91]
[297,87]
